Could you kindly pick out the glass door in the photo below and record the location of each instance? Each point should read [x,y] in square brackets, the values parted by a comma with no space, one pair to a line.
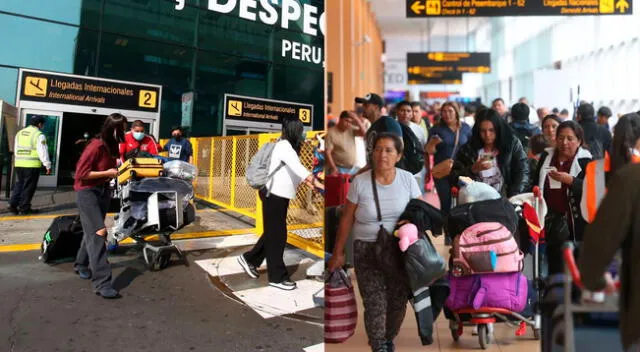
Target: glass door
[51,130]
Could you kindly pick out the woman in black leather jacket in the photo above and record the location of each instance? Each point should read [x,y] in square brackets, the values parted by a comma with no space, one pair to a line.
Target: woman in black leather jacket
[493,156]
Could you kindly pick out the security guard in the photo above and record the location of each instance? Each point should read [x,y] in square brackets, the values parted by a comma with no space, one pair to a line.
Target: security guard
[31,153]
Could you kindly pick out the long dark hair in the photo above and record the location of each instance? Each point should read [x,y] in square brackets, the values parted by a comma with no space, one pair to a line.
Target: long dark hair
[112,132]
[292,131]
[625,136]
[504,136]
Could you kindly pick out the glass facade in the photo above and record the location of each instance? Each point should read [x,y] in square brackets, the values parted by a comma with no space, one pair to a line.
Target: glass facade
[152,41]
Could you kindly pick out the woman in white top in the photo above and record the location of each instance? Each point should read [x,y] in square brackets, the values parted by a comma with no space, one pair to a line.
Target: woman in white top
[385,291]
[280,189]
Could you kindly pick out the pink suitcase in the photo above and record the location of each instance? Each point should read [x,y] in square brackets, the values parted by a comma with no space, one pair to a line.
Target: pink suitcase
[486,247]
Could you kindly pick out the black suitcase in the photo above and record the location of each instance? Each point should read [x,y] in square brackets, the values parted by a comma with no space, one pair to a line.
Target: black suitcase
[497,210]
[62,239]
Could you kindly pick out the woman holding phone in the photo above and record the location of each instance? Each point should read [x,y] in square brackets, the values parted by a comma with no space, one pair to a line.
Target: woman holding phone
[560,175]
[493,156]
[446,138]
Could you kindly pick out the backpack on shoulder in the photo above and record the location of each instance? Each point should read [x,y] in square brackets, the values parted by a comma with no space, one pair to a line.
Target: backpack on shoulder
[62,240]
[523,134]
[413,155]
[258,169]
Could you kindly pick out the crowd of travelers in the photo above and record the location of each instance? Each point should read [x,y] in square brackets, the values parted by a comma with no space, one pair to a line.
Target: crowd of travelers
[579,164]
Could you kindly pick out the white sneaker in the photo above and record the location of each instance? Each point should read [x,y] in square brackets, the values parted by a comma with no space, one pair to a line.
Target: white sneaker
[287,285]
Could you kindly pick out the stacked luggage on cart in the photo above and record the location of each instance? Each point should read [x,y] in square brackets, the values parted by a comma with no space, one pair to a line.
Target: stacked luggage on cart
[486,279]
[156,199]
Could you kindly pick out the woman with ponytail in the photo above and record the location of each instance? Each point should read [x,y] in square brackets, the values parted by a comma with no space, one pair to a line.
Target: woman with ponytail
[625,150]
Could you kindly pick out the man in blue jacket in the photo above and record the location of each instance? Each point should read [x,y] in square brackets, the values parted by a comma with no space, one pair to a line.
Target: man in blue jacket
[178,147]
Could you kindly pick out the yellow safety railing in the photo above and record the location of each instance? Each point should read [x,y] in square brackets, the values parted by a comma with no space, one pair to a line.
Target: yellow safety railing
[222,163]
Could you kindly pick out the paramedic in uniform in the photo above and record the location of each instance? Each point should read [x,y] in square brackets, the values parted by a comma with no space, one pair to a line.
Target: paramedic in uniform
[31,154]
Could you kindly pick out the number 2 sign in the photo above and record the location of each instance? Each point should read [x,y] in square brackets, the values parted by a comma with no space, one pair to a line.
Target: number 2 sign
[147,99]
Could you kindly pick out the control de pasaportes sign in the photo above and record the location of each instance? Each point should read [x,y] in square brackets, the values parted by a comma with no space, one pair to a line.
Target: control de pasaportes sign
[494,8]
[49,87]
[250,109]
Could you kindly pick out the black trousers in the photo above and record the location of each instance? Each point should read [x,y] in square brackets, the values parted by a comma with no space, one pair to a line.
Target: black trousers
[272,242]
[24,188]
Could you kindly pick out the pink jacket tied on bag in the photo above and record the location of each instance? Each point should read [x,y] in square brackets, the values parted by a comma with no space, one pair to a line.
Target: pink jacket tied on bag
[486,247]
[504,290]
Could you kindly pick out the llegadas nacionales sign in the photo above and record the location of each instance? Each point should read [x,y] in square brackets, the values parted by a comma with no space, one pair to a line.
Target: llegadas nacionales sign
[49,87]
[499,8]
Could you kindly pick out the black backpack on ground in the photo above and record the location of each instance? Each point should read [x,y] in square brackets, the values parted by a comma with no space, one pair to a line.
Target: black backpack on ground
[62,239]
[413,155]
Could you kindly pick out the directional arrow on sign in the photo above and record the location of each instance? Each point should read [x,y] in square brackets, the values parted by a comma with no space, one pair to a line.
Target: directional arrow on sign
[416,7]
[621,5]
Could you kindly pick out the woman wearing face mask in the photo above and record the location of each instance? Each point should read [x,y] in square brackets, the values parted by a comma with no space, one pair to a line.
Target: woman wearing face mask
[96,167]
[137,143]
[179,148]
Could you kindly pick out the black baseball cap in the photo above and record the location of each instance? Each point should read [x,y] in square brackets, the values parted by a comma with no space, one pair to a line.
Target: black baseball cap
[371,98]
[605,111]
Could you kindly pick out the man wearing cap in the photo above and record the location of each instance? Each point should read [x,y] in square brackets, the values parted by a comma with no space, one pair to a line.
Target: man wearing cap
[31,154]
[604,113]
[372,104]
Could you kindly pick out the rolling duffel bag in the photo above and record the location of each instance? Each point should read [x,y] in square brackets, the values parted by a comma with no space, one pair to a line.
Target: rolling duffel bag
[62,239]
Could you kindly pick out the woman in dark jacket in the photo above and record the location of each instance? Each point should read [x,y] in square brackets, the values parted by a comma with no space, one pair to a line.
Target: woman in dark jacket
[560,175]
[493,156]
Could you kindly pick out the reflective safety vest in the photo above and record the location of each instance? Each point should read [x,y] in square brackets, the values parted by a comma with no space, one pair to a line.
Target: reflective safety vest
[26,154]
[594,187]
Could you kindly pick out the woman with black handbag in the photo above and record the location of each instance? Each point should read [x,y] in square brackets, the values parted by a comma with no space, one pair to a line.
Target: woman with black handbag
[375,201]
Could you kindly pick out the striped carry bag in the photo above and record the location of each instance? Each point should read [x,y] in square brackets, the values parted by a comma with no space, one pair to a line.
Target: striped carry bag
[340,311]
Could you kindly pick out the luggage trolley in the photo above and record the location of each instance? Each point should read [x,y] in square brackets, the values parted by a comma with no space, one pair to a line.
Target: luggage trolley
[489,315]
[165,213]
[568,308]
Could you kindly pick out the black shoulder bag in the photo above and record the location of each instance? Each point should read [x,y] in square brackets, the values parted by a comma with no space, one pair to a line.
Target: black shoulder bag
[387,248]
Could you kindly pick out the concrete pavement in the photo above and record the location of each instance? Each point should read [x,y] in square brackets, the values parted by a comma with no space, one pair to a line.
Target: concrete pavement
[182,308]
